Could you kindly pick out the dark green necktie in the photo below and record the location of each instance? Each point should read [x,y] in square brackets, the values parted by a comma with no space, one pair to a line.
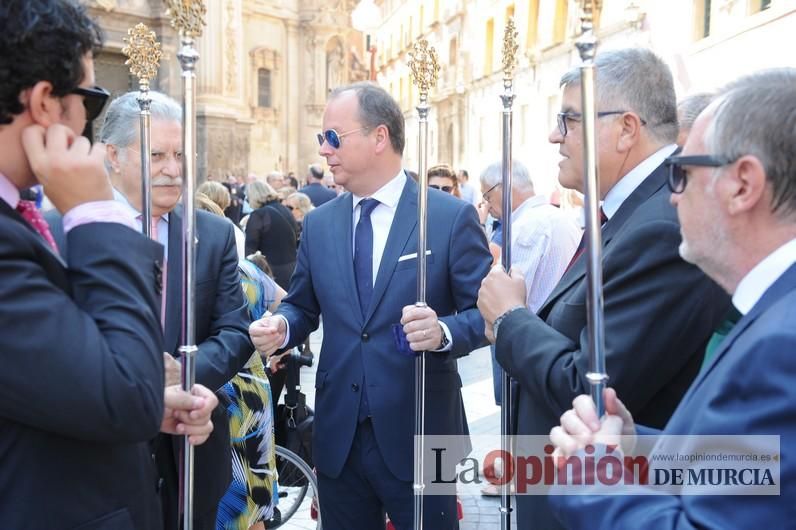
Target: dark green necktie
[732,317]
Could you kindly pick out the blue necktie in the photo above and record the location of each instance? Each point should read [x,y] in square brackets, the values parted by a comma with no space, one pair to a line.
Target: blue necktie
[363,270]
[363,253]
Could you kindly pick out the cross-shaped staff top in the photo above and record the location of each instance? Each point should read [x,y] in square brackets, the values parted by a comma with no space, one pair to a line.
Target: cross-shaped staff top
[143,53]
[187,16]
[424,65]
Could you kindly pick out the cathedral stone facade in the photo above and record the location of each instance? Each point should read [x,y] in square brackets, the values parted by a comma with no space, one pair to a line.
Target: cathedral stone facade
[265,69]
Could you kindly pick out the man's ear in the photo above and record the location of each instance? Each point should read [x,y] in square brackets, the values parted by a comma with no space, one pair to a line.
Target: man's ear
[112,156]
[45,109]
[631,130]
[747,185]
[382,139]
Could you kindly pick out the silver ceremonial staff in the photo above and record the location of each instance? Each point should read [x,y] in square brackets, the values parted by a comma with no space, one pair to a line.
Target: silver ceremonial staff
[425,71]
[143,57]
[187,16]
[509,62]
[597,377]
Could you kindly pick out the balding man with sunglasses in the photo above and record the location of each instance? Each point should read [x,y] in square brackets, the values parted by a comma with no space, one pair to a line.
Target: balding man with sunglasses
[659,310]
[357,266]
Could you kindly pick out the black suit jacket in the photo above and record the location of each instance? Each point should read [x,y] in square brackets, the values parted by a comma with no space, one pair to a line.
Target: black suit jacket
[81,384]
[659,313]
[224,347]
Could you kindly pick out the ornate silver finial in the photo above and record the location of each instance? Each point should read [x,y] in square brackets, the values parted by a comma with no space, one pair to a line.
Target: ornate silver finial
[143,54]
[424,65]
[187,16]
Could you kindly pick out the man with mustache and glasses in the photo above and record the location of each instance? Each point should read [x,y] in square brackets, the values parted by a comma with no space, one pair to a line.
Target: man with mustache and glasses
[82,379]
[221,316]
[659,310]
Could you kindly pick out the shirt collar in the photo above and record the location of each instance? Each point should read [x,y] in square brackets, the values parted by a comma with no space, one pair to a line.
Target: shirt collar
[389,194]
[628,184]
[762,276]
[531,202]
[118,196]
[8,192]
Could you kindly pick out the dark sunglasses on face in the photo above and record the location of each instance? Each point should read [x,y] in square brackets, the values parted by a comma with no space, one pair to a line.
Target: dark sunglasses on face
[678,176]
[333,137]
[446,189]
[94,100]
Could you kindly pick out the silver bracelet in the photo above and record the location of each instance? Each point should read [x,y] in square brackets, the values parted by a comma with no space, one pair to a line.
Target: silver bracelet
[499,319]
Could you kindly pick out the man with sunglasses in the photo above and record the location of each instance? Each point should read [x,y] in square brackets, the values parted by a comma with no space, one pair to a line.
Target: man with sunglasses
[659,310]
[357,267]
[82,384]
[734,191]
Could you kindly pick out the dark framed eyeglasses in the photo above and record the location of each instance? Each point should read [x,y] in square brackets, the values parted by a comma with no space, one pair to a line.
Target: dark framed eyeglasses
[485,195]
[94,100]
[678,176]
[446,189]
[333,137]
[563,117]
[289,207]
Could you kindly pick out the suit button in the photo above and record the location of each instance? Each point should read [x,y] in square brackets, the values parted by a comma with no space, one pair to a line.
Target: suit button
[161,483]
[354,387]
[365,337]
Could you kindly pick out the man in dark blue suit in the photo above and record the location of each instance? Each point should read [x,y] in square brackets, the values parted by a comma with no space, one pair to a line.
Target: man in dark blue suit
[736,201]
[82,381]
[357,267]
[659,310]
[315,190]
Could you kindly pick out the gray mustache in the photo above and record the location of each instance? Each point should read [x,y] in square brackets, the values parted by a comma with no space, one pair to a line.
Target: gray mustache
[166,181]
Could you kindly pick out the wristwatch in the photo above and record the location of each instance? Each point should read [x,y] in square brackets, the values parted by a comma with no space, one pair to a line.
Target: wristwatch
[444,343]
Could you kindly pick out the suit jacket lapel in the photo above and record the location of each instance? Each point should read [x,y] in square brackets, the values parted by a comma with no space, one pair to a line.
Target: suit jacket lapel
[649,186]
[173,307]
[403,225]
[785,284]
[13,214]
[345,258]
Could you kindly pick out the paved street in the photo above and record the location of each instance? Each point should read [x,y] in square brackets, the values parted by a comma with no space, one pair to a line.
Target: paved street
[480,513]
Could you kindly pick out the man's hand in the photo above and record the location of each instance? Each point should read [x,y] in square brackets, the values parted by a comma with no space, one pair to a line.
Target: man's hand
[422,328]
[189,413]
[173,369]
[71,170]
[275,361]
[499,293]
[268,334]
[580,425]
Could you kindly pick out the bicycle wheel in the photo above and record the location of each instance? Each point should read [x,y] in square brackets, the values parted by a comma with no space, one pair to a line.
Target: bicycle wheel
[295,480]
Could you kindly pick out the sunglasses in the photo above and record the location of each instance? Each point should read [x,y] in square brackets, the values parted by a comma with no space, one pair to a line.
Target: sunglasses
[446,189]
[333,137]
[678,177]
[94,100]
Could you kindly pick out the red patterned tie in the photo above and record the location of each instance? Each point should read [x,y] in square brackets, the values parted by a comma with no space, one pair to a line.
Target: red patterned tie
[28,211]
[582,245]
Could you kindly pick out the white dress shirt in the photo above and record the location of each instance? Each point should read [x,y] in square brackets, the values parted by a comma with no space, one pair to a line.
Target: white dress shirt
[628,184]
[543,241]
[762,276]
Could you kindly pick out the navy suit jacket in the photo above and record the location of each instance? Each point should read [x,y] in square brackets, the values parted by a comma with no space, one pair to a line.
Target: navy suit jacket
[747,389]
[318,193]
[659,313]
[356,349]
[81,384]
[222,336]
